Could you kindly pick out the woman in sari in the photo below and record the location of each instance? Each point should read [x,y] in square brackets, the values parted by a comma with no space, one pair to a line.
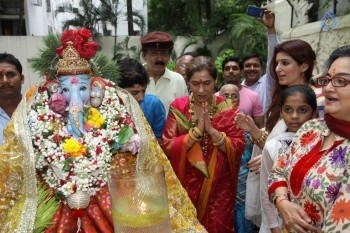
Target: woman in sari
[309,183]
[205,147]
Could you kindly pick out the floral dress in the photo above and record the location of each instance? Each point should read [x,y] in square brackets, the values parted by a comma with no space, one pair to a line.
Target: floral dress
[317,180]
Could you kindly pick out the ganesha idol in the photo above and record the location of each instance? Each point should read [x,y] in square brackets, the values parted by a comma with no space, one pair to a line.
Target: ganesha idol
[62,142]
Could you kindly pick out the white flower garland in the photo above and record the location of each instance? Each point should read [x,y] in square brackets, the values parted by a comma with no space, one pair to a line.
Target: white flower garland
[86,173]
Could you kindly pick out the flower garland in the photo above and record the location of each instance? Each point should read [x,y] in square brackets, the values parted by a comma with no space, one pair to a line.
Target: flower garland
[68,164]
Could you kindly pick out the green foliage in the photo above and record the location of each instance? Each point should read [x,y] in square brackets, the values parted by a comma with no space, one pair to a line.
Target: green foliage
[171,65]
[208,19]
[248,34]
[123,50]
[45,63]
[47,207]
[87,16]
[125,134]
[103,66]
[218,64]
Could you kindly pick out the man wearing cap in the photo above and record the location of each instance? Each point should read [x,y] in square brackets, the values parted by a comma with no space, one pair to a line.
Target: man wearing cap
[164,83]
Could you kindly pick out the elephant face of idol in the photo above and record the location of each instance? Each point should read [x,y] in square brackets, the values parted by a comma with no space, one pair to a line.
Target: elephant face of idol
[76,90]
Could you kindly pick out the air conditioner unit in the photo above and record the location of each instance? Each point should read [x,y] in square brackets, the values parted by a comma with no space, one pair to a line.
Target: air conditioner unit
[36,2]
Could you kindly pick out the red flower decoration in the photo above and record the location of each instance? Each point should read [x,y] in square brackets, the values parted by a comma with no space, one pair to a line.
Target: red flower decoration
[98,150]
[88,50]
[82,42]
[59,51]
[42,89]
[307,138]
[320,170]
[84,33]
[312,211]
[57,138]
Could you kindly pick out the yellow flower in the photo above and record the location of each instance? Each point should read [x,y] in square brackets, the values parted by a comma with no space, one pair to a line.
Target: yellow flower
[94,118]
[73,148]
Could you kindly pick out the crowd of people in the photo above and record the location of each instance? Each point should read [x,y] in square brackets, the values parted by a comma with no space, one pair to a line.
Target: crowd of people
[266,153]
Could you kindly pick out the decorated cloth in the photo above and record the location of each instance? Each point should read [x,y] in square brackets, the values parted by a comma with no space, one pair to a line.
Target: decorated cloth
[24,190]
[273,148]
[214,196]
[317,180]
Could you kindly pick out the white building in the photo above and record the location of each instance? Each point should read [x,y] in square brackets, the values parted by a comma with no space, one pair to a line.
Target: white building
[40,17]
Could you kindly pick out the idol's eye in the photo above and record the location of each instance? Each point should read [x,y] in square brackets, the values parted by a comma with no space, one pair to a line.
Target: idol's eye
[83,88]
[65,90]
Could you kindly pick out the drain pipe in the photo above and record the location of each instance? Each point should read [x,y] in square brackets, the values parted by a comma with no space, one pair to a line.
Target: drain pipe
[292,6]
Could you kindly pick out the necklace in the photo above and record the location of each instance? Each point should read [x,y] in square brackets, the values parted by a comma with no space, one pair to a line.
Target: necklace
[70,165]
[194,122]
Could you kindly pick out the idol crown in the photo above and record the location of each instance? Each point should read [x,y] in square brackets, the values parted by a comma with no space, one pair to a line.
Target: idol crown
[76,50]
[71,63]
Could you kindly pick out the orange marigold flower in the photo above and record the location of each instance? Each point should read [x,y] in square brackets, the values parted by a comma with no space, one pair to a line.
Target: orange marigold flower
[341,211]
[280,162]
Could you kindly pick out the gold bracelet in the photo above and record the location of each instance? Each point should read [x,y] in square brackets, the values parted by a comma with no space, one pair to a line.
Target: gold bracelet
[197,139]
[200,134]
[221,141]
[274,198]
[262,139]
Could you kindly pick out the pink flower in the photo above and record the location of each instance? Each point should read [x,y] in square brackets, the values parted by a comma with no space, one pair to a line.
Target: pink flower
[58,103]
[132,145]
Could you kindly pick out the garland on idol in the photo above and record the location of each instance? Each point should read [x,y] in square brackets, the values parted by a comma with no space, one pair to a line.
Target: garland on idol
[71,165]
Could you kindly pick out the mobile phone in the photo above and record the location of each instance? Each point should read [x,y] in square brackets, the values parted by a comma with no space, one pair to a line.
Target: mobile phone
[255,11]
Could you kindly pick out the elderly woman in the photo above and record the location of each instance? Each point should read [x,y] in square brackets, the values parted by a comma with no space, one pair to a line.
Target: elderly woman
[309,184]
[205,147]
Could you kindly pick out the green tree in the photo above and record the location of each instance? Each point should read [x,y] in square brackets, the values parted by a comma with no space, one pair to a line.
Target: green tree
[209,19]
[86,16]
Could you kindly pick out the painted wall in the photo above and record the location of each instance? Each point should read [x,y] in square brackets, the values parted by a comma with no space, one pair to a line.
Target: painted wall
[323,42]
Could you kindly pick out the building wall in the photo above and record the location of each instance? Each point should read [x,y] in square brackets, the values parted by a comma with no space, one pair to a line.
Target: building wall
[297,27]
[40,21]
[36,17]
[27,47]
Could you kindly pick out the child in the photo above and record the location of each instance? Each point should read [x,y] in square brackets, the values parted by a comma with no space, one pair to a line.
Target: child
[297,105]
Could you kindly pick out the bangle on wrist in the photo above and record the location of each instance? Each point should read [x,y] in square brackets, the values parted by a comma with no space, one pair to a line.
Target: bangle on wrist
[280,200]
[198,132]
[275,196]
[190,133]
[261,140]
[221,141]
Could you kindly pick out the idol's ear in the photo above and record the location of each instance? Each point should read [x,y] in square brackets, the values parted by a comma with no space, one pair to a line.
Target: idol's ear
[53,86]
[97,91]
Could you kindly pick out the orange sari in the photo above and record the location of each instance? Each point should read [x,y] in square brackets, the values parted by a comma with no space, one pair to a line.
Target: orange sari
[213,196]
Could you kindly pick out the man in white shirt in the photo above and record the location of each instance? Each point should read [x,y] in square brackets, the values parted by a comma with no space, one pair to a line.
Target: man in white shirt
[252,66]
[11,80]
[164,83]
